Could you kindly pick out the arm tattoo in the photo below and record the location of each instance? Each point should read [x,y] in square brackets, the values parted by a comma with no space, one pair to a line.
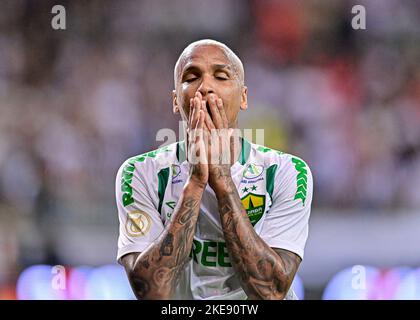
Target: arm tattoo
[141,285]
[156,271]
[265,273]
[167,246]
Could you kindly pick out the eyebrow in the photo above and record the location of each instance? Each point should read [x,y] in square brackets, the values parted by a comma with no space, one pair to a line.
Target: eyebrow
[192,68]
[221,66]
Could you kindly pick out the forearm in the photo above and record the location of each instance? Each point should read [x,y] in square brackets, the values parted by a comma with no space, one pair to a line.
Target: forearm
[156,270]
[263,274]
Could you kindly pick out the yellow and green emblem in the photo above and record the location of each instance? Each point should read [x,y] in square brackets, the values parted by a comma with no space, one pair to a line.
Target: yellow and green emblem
[254,205]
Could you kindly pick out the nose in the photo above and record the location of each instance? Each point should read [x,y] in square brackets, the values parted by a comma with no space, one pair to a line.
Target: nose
[206,86]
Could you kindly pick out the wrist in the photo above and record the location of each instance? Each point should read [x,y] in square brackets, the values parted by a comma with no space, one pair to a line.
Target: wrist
[195,184]
[222,185]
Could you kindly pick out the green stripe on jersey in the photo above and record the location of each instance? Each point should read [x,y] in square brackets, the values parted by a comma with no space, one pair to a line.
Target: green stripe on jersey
[245,151]
[180,151]
[163,177]
[271,172]
[301,179]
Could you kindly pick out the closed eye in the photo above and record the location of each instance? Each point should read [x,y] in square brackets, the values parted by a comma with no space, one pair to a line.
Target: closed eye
[221,75]
[190,79]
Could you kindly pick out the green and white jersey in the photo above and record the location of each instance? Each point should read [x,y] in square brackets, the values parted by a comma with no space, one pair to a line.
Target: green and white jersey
[276,192]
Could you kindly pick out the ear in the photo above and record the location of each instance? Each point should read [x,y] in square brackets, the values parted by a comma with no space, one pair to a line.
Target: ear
[244,98]
[175,106]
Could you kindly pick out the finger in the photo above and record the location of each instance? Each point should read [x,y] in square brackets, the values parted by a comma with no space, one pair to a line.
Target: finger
[197,107]
[207,119]
[200,122]
[198,95]
[192,114]
[196,118]
[196,130]
[190,128]
[190,110]
[200,125]
[219,103]
[217,119]
[200,143]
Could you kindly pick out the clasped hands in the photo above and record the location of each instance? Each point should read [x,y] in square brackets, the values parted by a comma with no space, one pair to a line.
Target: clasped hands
[209,148]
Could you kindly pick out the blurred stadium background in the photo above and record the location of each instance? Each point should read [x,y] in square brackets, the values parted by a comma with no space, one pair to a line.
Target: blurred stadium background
[75,103]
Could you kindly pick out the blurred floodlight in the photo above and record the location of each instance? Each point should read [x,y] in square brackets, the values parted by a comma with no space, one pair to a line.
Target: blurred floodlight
[36,283]
[77,282]
[108,282]
[409,288]
[354,283]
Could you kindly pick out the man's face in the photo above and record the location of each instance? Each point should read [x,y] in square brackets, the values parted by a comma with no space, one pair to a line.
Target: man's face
[208,70]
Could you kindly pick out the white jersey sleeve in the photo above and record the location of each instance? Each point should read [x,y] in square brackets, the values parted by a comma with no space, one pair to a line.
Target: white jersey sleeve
[140,221]
[286,222]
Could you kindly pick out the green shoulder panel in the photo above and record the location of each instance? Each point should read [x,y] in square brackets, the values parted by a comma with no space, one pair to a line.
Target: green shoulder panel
[301,179]
[128,172]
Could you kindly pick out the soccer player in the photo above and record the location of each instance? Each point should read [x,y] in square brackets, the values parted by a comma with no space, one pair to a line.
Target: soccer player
[195,228]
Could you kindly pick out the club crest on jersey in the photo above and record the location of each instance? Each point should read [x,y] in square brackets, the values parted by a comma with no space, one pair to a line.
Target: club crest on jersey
[254,205]
[253,171]
[138,223]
